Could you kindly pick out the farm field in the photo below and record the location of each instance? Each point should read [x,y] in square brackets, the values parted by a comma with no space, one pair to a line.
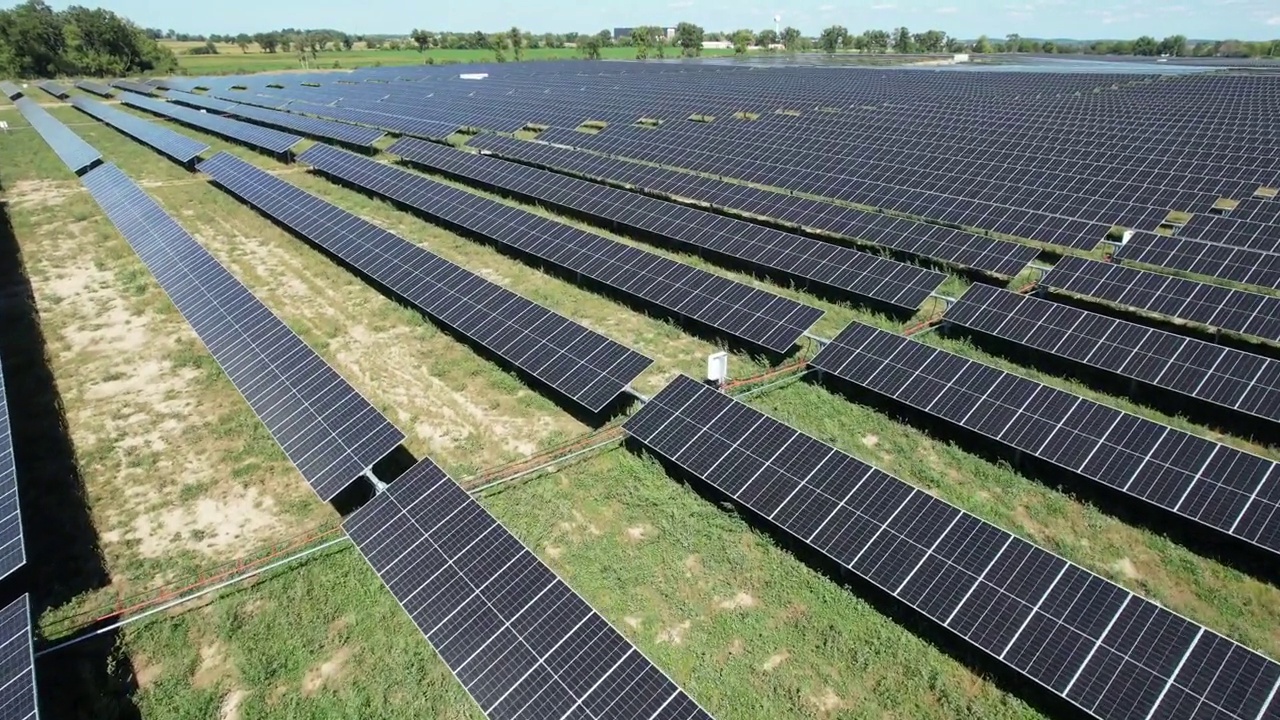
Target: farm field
[230,59]
[179,476]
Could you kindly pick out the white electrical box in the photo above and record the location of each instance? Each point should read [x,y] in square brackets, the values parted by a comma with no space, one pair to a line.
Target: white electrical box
[718,367]
[473,76]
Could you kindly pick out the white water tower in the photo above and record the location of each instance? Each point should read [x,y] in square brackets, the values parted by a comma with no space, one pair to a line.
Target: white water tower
[777,25]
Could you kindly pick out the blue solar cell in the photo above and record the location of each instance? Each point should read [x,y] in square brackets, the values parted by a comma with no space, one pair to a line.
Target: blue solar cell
[272,141]
[75,152]
[175,145]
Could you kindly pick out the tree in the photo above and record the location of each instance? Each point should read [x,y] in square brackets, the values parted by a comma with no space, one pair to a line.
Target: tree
[516,39]
[348,42]
[1175,45]
[902,40]
[498,44]
[421,38]
[983,45]
[605,37]
[1145,45]
[36,41]
[1049,46]
[790,38]
[955,45]
[286,42]
[767,38]
[876,41]
[243,40]
[931,41]
[1012,42]
[742,41]
[832,38]
[645,38]
[589,46]
[689,38]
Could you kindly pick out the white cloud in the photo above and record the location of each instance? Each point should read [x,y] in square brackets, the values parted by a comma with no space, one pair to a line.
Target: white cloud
[826,8]
[1018,14]
[677,4]
[948,10]
[884,6]
[1273,20]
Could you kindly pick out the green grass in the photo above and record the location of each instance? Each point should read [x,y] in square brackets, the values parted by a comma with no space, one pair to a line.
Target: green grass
[232,61]
[750,630]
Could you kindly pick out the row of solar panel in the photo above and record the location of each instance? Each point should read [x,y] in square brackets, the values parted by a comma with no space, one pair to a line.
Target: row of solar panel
[1109,652]
[272,141]
[758,317]
[353,136]
[843,270]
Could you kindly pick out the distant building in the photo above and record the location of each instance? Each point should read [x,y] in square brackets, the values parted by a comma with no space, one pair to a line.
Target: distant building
[621,32]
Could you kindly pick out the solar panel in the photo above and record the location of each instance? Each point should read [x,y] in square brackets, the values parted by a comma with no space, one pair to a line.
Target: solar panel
[74,152]
[17,662]
[520,641]
[12,549]
[847,271]
[272,141]
[949,245]
[353,135]
[134,87]
[11,91]
[1230,379]
[95,88]
[205,102]
[1109,652]
[1241,265]
[759,317]
[416,127]
[1240,311]
[583,365]
[53,89]
[1221,487]
[326,428]
[175,145]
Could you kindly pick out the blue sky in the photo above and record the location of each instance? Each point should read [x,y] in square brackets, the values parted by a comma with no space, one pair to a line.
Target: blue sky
[1243,19]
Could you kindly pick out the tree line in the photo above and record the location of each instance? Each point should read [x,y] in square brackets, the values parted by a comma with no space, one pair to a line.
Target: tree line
[36,41]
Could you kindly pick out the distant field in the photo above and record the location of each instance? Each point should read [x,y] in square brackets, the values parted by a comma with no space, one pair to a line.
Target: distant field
[230,59]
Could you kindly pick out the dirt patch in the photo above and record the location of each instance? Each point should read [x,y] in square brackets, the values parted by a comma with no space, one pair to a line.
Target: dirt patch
[1023,518]
[826,702]
[230,708]
[633,621]
[693,565]
[675,633]
[319,676]
[553,551]
[214,665]
[638,533]
[146,672]
[737,602]
[208,524]
[1124,566]
[41,193]
[579,525]
[871,440]
[775,660]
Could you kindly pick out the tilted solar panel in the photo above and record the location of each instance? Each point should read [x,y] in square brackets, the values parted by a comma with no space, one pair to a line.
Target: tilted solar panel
[328,430]
[134,87]
[582,364]
[1218,486]
[170,143]
[74,152]
[1228,378]
[17,662]
[1241,265]
[400,124]
[11,91]
[929,241]
[13,553]
[354,135]
[204,102]
[762,318]
[847,271]
[53,89]
[1111,653]
[95,88]
[272,141]
[1247,313]
[519,639]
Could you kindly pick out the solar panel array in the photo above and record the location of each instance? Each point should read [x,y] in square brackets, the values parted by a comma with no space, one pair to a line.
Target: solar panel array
[175,145]
[17,662]
[13,553]
[326,428]
[355,136]
[1230,379]
[53,89]
[74,152]
[764,319]
[848,271]
[1231,309]
[272,141]
[134,87]
[11,91]
[521,642]
[967,250]
[581,364]
[95,88]
[1210,483]
[1102,648]
[1242,265]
